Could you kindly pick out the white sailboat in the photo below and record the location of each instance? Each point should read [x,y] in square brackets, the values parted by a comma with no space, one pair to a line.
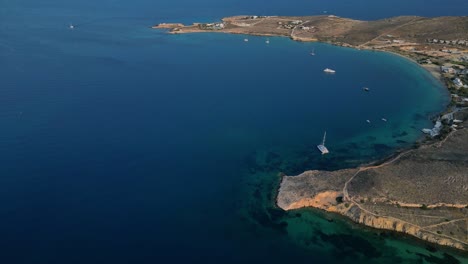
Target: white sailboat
[322,147]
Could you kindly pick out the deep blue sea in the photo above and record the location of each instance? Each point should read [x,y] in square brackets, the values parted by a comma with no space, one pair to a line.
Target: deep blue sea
[123,144]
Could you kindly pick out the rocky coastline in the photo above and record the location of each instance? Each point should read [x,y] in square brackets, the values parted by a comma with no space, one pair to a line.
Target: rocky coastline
[421,192]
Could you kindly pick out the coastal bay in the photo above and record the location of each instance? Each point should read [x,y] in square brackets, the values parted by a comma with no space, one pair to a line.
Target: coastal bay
[124,144]
[415,38]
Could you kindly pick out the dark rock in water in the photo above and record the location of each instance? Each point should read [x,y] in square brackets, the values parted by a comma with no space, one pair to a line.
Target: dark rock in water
[298,215]
[251,164]
[450,259]
[445,259]
[417,117]
[349,245]
[257,194]
[371,138]
[260,217]
[330,220]
[384,234]
[272,156]
[272,162]
[343,151]
[380,148]
[283,224]
[263,219]
[276,214]
[399,141]
[401,134]
[431,248]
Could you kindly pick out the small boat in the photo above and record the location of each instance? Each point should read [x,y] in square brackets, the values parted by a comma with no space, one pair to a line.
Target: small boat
[267,41]
[71,26]
[312,53]
[365,89]
[327,70]
[246,40]
[322,147]
[368,121]
[383,119]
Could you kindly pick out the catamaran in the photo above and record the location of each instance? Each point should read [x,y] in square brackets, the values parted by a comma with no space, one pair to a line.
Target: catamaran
[322,147]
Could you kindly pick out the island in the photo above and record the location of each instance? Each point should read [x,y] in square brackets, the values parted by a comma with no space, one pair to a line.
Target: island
[422,192]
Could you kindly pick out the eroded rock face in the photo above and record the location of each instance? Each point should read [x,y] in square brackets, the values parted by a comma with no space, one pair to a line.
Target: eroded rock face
[312,188]
[423,192]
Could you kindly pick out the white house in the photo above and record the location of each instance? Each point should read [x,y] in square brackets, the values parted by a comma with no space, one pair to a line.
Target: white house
[457,82]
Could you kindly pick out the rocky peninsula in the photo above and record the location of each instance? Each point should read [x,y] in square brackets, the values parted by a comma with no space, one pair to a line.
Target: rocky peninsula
[421,192]
[439,44]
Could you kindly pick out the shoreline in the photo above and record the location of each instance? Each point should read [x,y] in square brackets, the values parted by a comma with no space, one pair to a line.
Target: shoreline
[351,210]
[325,199]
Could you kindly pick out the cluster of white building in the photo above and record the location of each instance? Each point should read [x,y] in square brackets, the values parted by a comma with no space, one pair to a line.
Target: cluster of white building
[459,72]
[435,131]
[459,42]
[213,26]
[458,83]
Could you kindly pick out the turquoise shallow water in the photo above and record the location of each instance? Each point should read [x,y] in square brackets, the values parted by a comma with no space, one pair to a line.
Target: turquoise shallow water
[123,144]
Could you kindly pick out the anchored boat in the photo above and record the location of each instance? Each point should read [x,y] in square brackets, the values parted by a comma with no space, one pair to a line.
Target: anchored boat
[322,147]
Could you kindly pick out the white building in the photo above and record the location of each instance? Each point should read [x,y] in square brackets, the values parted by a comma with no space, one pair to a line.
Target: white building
[457,82]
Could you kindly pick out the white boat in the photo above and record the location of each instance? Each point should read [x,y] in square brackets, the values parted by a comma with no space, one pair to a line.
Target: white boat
[368,121]
[365,89]
[312,53]
[327,70]
[384,119]
[267,41]
[322,147]
[246,40]
[71,26]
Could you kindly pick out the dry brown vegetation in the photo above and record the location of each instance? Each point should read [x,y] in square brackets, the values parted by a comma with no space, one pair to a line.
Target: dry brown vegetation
[343,30]
[422,192]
